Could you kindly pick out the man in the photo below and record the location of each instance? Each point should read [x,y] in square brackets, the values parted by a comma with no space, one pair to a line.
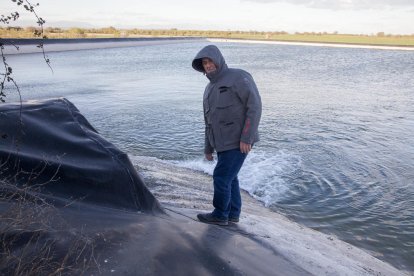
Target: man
[232,111]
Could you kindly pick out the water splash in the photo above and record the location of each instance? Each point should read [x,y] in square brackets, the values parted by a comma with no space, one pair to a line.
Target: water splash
[264,175]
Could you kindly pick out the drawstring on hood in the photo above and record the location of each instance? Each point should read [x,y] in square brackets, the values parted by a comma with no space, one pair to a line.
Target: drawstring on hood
[213,53]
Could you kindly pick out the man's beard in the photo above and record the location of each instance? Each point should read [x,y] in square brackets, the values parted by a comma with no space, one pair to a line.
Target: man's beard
[212,74]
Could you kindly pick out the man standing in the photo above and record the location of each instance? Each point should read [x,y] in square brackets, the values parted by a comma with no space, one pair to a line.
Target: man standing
[232,111]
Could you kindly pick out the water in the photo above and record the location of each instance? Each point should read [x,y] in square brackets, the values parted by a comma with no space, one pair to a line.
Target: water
[337,152]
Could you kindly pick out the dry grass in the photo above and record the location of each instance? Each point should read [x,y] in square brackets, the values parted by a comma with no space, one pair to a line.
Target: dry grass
[36,240]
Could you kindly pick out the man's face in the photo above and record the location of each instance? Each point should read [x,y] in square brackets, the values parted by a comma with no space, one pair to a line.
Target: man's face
[208,65]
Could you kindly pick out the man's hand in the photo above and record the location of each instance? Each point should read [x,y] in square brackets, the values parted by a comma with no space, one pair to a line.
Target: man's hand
[209,156]
[245,148]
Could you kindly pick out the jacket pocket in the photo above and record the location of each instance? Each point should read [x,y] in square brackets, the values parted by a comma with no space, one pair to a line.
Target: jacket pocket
[230,133]
[226,97]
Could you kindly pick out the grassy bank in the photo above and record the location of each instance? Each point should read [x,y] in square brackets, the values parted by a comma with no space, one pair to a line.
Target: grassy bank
[378,39]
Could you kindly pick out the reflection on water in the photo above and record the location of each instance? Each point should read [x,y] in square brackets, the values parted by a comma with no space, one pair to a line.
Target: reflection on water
[336,151]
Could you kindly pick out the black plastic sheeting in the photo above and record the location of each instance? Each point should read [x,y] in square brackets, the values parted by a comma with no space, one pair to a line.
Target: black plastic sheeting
[56,150]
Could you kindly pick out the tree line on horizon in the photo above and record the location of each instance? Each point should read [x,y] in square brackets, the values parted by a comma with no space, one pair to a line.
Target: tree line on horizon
[75,32]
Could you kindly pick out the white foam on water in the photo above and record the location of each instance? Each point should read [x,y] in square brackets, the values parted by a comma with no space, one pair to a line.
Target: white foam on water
[262,175]
[198,164]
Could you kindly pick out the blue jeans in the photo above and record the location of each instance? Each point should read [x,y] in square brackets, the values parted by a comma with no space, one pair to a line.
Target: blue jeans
[227,199]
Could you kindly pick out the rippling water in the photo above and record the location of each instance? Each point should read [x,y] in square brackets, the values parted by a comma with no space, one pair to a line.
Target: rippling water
[337,149]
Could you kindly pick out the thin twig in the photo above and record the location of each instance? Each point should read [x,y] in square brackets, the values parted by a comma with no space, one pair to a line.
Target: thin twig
[40,22]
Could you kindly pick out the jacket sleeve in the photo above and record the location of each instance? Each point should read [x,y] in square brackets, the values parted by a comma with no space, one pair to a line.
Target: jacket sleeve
[208,148]
[249,94]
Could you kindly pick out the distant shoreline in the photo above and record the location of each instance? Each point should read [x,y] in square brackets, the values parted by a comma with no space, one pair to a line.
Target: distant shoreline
[316,44]
[27,46]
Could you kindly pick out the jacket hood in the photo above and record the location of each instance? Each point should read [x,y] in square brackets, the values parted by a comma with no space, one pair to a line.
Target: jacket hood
[213,53]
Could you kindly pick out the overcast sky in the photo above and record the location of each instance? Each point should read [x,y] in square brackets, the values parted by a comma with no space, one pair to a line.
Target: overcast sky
[343,16]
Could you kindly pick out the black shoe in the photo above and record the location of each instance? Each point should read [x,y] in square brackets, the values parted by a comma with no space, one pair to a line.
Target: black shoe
[209,218]
[234,219]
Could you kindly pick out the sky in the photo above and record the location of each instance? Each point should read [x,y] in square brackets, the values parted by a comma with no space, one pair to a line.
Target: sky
[342,16]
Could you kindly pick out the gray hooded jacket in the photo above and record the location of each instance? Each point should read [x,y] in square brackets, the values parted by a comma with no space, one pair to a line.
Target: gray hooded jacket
[232,104]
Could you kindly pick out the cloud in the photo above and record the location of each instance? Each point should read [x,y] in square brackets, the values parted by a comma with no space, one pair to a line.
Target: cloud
[343,4]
